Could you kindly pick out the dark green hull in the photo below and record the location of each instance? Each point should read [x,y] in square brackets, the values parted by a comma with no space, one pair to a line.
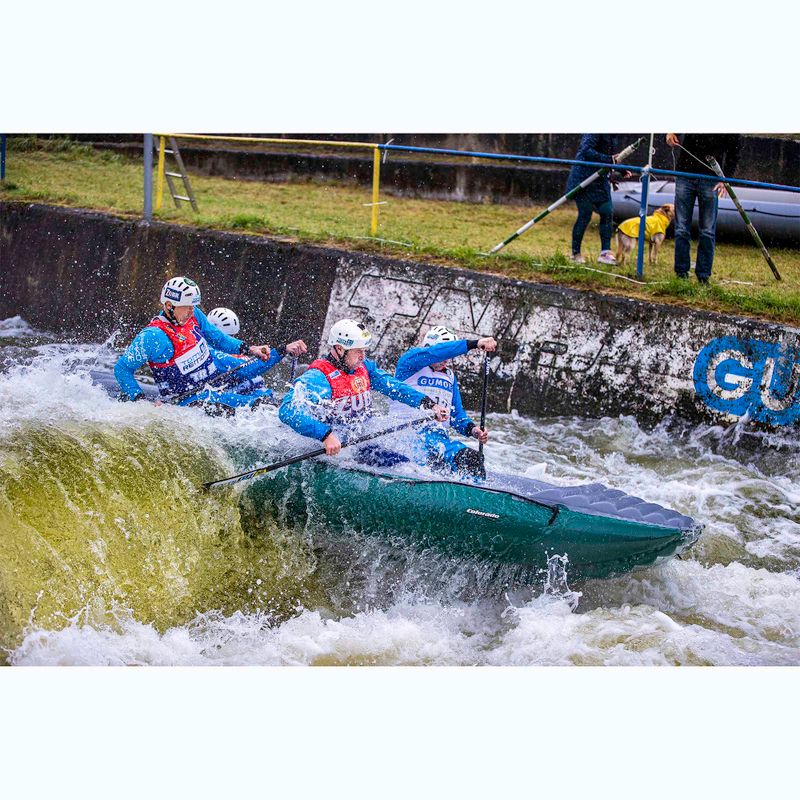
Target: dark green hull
[462,519]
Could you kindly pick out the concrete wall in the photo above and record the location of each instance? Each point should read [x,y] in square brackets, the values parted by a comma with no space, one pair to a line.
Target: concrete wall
[563,351]
[88,274]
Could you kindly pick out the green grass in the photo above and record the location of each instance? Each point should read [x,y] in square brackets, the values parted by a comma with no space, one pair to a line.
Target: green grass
[60,171]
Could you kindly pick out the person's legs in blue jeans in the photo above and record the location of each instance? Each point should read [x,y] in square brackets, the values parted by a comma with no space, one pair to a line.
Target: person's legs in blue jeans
[684,206]
[708,203]
[606,212]
[585,206]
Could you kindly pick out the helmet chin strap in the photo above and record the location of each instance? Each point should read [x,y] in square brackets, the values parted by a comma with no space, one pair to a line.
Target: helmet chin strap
[336,359]
[169,313]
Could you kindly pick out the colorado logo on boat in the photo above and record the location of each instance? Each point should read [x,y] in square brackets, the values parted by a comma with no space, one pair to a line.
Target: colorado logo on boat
[482,513]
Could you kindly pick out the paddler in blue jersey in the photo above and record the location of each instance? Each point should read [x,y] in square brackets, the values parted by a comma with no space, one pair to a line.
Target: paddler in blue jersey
[333,397]
[183,351]
[426,369]
[250,386]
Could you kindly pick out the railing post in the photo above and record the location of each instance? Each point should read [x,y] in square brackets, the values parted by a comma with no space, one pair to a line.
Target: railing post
[642,221]
[643,210]
[148,176]
[160,172]
[376,183]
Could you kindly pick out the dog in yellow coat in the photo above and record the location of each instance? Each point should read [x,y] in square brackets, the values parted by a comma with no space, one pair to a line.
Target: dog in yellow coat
[655,229]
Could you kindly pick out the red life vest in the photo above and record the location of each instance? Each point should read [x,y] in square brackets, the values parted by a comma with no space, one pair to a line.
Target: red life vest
[191,361]
[351,397]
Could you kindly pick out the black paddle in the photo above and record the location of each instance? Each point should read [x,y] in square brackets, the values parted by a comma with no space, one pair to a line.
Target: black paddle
[483,405]
[254,473]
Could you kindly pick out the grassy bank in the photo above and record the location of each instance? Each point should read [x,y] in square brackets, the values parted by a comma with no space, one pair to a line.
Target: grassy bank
[452,233]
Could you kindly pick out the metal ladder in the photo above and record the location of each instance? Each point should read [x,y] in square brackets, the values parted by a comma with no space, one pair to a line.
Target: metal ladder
[179,171]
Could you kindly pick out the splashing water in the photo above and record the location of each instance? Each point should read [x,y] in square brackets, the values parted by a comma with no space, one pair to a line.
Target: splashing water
[111,555]
[556,585]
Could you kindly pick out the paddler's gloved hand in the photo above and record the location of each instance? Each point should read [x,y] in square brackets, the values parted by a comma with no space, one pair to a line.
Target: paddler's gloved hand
[123,398]
[481,435]
[258,350]
[332,444]
[440,412]
[297,348]
[488,344]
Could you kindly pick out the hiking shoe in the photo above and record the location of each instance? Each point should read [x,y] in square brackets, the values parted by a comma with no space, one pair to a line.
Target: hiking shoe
[577,258]
[607,257]
[684,276]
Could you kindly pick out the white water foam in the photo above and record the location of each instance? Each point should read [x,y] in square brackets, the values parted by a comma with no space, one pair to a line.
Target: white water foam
[748,617]
[15,328]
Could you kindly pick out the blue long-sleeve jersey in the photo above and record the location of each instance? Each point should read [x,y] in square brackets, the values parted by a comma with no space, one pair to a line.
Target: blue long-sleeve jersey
[152,344]
[415,359]
[312,390]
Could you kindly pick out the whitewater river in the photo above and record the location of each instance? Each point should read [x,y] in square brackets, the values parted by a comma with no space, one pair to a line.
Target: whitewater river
[109,553]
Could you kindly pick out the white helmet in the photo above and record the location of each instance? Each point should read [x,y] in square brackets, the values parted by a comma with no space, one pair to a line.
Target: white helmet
[181,292]
[349,333]
[224,319]
[438,333]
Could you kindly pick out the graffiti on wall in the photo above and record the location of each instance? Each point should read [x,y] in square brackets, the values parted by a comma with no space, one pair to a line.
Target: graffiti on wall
[749,377]
[571,354]
[537,338]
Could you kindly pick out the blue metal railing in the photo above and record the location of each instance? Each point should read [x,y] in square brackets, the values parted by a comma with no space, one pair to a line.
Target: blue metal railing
[572,161]
[645,173]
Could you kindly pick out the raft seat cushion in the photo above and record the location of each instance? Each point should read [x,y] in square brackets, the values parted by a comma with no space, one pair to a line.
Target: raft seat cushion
[599,500]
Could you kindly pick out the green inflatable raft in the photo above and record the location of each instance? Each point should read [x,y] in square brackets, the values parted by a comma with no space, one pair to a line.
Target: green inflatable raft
[507,519]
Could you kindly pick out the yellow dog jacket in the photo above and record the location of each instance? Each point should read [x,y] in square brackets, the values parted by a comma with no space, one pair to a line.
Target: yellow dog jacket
[655,223]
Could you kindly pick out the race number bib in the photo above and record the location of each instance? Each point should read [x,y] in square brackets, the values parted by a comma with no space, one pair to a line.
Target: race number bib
[193,358]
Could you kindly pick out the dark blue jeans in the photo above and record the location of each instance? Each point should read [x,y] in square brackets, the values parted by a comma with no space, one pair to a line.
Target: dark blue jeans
[586,204]
[687,190]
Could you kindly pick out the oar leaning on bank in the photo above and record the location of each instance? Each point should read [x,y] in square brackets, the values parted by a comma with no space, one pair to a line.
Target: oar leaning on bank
[749,225]
[561,200]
